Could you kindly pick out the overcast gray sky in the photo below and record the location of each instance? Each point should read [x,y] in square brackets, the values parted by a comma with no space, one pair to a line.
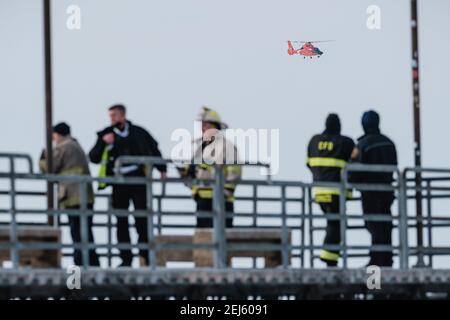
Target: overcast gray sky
[164,59]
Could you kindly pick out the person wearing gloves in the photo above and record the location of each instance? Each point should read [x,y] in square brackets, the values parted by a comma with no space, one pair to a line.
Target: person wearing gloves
[213,149]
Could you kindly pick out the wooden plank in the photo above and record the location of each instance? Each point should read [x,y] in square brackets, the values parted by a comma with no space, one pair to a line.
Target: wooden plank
[173,255]
[38,258]
[31,231]
[204,258]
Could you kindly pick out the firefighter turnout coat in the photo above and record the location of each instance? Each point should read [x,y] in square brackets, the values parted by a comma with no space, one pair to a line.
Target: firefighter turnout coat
[219,152]
[327,156]
[69,159]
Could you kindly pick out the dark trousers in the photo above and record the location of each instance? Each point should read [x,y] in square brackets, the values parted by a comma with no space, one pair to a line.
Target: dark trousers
[75,231]
[381,231]
[333,231]
[206,205]
[121,197]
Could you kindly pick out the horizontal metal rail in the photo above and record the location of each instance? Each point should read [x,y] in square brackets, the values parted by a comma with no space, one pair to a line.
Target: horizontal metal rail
[301,221]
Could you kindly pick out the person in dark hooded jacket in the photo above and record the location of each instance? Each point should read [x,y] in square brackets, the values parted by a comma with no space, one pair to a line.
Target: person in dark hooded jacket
[375,148]
[328,153]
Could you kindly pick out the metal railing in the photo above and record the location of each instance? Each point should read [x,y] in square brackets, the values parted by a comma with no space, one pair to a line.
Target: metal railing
[303,217]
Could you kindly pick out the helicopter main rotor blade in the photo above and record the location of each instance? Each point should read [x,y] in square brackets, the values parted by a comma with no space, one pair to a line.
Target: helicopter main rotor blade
[317,41]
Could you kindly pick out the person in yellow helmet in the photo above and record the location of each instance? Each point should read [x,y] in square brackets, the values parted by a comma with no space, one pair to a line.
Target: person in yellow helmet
[212,148]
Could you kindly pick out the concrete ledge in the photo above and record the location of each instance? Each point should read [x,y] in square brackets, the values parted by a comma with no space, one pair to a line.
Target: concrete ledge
[236,283]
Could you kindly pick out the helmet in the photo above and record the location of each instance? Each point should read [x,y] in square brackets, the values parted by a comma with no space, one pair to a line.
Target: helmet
[209,115]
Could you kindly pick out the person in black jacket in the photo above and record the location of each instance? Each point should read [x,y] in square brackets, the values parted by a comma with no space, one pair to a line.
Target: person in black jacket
[328,153]
[123,138]
[375,148]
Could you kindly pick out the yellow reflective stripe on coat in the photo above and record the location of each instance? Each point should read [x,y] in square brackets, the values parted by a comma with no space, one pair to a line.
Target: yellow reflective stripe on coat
[206,193]
[205,166]
[231,186]
[327,255]
[226,169]
[323,198]
[78,170]
[326,162]
[323,194]
[102,170]
[233,169]
[333,191]
[202,192]
[74,201]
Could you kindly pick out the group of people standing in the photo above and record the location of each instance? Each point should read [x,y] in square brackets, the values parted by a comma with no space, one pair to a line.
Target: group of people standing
[328,154]
[124,138]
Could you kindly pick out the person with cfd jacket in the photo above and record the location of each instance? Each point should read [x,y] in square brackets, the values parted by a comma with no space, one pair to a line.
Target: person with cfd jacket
[328,153]
[375,148]
[123,138]
[70,159]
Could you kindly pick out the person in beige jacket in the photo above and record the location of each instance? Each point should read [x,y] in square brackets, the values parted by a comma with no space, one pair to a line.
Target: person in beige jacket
[70,159]
[212,149]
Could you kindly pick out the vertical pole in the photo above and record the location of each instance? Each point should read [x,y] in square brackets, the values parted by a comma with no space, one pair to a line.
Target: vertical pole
[284,230]
[255,205]
[429,224]
[220,257]
[48,102]
[403,220]
[13,231]
[417,134]
[159,216]
[343,221]
[310,228]
[150,228]
[302,229]
[109,231]
[255,214]
[83,216]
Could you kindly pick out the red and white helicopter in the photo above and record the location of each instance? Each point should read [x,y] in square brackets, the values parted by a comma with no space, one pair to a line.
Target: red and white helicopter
[306,50]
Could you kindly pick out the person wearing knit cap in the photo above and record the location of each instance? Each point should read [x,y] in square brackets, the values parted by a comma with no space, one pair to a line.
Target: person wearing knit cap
[70,159]
[62,129]
[375,148]
[328,153]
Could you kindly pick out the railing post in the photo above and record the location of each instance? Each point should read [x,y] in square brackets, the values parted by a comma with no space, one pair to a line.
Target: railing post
[82,214]
[13,231]
[343,217]
[220,257]
[403,221]
[343,222]
[150,230]
[254,213]
[302,229]
[310,228]
[159,216]
[255,206]
[284,231]
[24,156]
[419,218]
[109,231]
[429,224]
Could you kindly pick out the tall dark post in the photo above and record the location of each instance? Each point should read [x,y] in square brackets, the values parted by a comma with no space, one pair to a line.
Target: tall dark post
[417,135]
[48,101]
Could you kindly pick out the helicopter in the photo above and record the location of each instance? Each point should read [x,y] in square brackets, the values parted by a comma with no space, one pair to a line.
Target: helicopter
[306,50]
